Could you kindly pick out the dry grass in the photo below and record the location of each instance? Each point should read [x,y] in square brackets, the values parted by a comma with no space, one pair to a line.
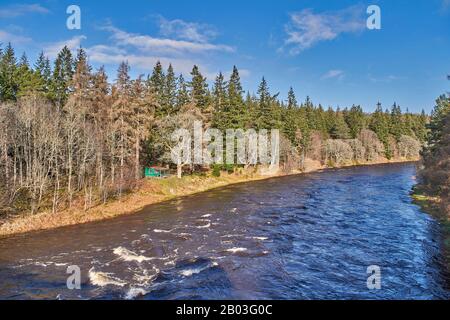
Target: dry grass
[148,192]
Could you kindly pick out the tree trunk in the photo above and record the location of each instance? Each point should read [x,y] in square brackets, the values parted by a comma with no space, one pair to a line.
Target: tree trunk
[179,171]
[137,160]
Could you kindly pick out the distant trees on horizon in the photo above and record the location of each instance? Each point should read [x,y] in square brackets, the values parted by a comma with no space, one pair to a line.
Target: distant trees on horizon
[68,134]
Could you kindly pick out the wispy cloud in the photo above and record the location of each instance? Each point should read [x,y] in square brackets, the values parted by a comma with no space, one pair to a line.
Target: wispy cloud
[181,48]
[384,79]
[144,62]
[6,37]
[53,49]
[333,74]
[21,9]
[445,5]
[306,28]
[162,45]
[189,31]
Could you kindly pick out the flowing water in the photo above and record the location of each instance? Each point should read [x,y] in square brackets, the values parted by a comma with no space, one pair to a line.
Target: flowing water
[299,237]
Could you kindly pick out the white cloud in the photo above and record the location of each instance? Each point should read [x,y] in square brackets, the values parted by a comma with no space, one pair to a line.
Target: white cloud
[306,28]
[6,37]
[162,45]
[143,51]
[331,74]
[112,55]
[109,55]
[22,9]
[53,49]
[190,31]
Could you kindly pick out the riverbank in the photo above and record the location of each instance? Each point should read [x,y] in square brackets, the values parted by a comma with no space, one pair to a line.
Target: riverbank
[432,205]
[149,191]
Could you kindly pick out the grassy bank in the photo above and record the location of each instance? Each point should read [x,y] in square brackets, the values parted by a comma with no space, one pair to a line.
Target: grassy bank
[149,191]
[432,205]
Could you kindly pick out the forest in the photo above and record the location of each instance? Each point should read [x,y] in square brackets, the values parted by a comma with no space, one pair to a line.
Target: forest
[435,174]
[68,133]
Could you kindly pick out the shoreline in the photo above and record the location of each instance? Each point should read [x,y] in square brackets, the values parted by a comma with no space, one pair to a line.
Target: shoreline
[147,193]
[431,205]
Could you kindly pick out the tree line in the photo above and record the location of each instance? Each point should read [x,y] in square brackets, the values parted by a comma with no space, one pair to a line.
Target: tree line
[435,174]
[69,135]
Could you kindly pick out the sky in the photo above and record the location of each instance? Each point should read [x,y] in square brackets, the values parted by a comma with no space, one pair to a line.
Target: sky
[323,49]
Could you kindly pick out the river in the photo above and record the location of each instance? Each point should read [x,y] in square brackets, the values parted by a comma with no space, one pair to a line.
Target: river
[310,236]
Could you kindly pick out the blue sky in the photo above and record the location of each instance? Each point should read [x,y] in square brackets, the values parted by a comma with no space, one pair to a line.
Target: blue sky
[320,48]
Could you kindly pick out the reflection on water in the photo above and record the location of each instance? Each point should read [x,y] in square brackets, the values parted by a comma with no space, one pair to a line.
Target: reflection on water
[298,237]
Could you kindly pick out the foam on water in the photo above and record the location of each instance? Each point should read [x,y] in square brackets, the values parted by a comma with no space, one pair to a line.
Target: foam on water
[192,271]
[103,279]
[236,250]
[162,231]
[128,255]
[133,293]
[205,226]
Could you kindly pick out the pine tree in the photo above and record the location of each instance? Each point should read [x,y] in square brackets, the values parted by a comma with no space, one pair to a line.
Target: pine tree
[221,116]
[396,122]
[379,124]
[81,80]
[340,128]
[122,116]
[321,124]
[142,104]
[199,90]
[28,82]
[170,92]
[330,119]
[437,122]
[62,77]
[237,110]
[43,71]
[8,81]
[420,126]
[156,84]
[182,96]
[289,117]
[355,120]
[265,118]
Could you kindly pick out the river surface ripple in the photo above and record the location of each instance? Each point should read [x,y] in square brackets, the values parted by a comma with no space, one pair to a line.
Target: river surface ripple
[311,236]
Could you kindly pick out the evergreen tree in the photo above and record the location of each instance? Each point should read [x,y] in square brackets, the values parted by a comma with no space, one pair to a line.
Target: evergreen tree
[170,92]
[289,117]
[81,80]
[340,128]
[265,118]
[396,122]
[221,114]
[182,93]
[379,124]
[44,72]
[237,110]
[156,84]
[437,122]
[62,77]
[355,120]
[8,81]
[199,90]
[28,82]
